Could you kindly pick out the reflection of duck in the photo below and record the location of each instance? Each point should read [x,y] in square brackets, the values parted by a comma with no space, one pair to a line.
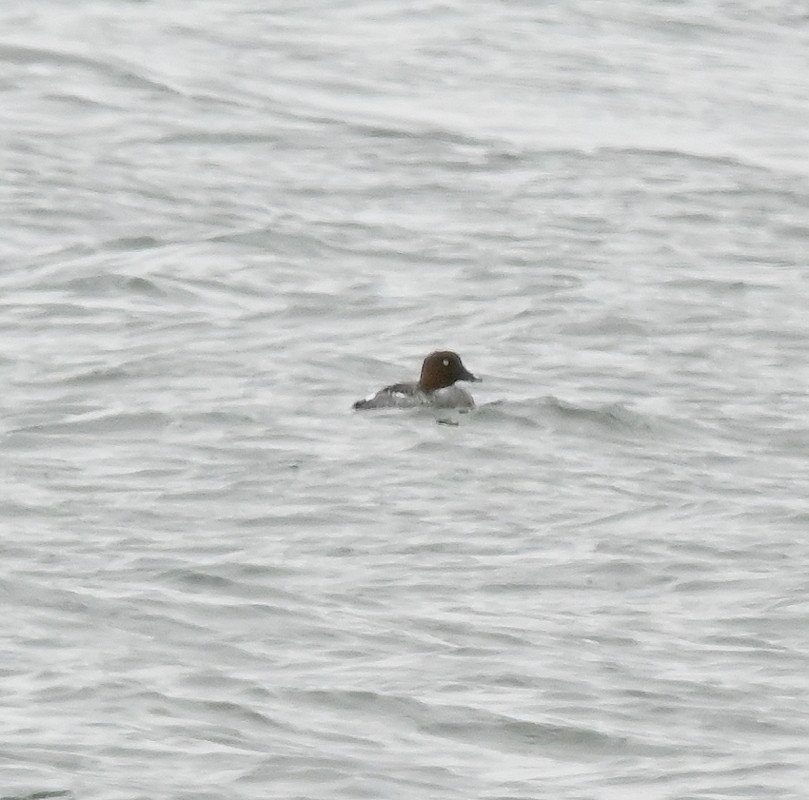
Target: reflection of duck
[436,386]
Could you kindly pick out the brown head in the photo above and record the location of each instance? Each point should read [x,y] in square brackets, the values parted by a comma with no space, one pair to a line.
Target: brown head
[441,369]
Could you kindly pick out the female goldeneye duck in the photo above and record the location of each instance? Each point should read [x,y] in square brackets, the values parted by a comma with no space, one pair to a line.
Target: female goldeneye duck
[436,386]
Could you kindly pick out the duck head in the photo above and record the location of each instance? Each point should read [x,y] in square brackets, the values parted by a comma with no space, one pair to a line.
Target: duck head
[441,369]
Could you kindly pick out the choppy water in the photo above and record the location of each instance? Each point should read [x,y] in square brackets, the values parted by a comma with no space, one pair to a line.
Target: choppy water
[224,222]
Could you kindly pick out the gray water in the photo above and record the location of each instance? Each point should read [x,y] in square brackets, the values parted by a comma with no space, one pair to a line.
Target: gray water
[224,222]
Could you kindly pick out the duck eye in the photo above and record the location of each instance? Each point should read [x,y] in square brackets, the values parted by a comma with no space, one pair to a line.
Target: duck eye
[446,362]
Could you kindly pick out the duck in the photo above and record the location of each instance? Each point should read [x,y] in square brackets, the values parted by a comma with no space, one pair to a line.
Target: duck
[436,386]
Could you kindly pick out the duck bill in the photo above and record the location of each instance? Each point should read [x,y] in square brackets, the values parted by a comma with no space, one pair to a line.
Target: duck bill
[468,376]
